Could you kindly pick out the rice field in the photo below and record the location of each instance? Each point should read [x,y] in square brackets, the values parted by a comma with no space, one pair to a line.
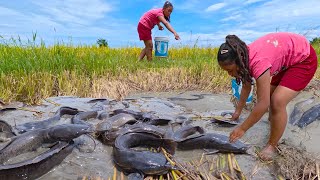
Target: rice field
[31,72]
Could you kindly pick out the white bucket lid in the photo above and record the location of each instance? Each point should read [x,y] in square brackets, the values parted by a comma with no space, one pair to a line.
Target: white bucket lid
[161,39]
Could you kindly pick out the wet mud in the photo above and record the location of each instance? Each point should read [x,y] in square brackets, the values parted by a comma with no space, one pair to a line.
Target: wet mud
[197,106]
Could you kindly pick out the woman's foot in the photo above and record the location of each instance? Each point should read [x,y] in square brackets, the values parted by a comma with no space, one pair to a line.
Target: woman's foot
[268,153]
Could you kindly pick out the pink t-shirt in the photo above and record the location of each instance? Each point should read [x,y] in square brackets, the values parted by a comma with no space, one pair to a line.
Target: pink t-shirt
[277,51]
[150,18]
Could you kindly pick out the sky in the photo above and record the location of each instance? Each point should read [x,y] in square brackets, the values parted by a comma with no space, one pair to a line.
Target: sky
[198,22]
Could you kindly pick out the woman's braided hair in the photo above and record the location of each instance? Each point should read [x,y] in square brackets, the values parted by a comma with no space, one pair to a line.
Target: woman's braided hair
[235,50]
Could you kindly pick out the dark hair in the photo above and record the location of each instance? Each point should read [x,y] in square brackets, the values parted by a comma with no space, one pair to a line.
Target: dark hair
[235,51]
[166,5]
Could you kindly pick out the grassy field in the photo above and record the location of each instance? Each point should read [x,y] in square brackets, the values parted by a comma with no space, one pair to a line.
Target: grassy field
[31,73]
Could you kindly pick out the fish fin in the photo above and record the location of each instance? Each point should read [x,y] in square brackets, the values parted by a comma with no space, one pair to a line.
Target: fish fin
[210,151]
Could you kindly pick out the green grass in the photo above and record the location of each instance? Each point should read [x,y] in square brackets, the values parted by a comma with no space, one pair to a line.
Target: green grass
[30,73]
[93,60]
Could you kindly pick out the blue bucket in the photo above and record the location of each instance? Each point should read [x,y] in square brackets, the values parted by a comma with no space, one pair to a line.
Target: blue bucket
[161,46]
[236,90]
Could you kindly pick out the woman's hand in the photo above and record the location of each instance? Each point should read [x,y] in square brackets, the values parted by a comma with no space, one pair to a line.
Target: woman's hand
[176,36]
[237,133]
[160,27]
[235,115]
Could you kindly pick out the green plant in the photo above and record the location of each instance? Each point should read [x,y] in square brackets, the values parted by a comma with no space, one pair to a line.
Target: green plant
[102,42]
[315,41]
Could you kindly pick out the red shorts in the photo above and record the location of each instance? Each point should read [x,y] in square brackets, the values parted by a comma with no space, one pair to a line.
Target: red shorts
[299,75]
[144,32]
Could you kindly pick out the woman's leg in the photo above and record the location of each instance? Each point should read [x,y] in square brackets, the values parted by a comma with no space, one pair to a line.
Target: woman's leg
[293,80]
[272,88]
[278,121]
[148,49]
[142,54]
[145,35]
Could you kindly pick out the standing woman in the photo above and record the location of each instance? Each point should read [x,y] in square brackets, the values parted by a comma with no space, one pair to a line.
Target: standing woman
[288,59]
[148,21]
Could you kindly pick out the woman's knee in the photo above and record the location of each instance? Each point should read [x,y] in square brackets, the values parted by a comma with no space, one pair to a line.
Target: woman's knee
[149,47]
[277,104]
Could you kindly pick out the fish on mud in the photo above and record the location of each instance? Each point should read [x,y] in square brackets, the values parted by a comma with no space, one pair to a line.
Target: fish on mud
[115,122]
[146,162]
[136,114]
[122,119]
[82,117]
[186,131]
[109,137]
[224,121]
[6,132]
[100,104]
[212,141]
[159,121]
[103,115]
[32,140]
[198,97]
[8,109]
[141,116]
[147,117]
[103,127]
[297,112]
[183,120]
[22,128]
[99,100]
[36,167]
[309,116]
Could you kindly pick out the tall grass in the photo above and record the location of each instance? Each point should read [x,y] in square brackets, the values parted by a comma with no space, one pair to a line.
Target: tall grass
[31,72]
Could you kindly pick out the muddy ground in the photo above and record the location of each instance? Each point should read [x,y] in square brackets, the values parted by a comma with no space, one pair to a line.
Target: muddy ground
[99,163]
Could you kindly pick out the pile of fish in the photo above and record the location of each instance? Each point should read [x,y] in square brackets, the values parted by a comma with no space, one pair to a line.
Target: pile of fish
[302,118]
[131,133]
[31,136]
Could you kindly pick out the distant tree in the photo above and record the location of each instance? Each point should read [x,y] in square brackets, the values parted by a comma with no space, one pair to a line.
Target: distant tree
[315,41]
[102,42]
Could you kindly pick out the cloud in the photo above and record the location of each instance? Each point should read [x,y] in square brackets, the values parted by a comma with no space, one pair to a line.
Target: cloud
[61,20]
[198,6]
[252,1]
[274,15]
[215,7]
[234,17]
[282,12]
[210,23]
[216,38]
[74,11]
[14,23]
[8,12]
